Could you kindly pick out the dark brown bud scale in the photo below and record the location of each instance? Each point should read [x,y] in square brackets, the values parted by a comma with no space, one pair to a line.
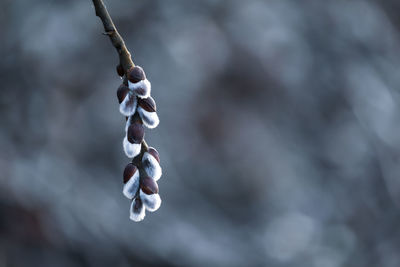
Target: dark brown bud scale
[140,91]
[122,91]
[136,74]
[120,70]
[147,104]
[138,204]
[129,171]
[152,151]
[149,186]
[135,133]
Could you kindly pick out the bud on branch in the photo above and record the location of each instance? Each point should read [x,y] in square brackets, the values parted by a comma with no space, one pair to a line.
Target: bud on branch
[135,103]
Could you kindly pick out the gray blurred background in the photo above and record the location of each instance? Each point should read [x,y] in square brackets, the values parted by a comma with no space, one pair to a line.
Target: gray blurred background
[279,134]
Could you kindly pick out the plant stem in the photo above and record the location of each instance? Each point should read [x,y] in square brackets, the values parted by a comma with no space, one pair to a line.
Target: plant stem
[115,37]
[119,44]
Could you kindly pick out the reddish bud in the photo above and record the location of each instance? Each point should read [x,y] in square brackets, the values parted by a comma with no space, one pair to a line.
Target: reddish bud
[152,151]
[147,104]
[129,171]
[135,133]
[136,74]
[141,91]
[122,92]
[138,204]
[149,186]
[120,70]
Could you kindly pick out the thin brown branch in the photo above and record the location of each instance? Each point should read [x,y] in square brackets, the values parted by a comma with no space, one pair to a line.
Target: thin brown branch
[119,44]
[115,37]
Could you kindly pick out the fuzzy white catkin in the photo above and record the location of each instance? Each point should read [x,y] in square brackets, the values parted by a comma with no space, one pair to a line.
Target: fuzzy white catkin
[132,186]
[151,166]
[143,84]
[128,123]
[128,105]
[150,119]
[151,202]
[131,150]
[137,215]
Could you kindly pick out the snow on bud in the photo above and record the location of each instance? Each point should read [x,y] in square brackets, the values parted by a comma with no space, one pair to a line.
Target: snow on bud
[137,210]
[131,181]
[135,132]
[131,150]
[149,186]
[151,202]
[147,112]
[151,166]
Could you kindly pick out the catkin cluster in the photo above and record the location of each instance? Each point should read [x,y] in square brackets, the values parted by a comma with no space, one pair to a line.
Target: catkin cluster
[141,176]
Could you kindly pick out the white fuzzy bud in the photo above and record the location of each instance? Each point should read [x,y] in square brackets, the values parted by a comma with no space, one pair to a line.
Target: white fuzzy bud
[151,202]
[151,166]
[137,210]
[150,119]
[131,150]
[142,88]
[128,105]
[132,185]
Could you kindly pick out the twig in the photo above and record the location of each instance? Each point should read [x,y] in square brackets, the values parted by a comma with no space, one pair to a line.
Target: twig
[115,37]
[119,44]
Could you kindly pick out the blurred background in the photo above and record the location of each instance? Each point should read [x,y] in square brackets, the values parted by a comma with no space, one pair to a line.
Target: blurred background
[279,135]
